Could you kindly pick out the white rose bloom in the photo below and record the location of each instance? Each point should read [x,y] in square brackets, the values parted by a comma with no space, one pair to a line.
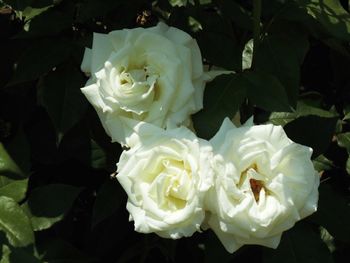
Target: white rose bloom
[153,75]
[166,175]
[264,183]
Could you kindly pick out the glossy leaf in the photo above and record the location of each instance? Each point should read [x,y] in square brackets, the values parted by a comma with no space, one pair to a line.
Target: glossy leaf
[302,109]
[263,89]
[222,98]
[344,140]
[301,244]
[48,204]
[62,97]
[39,59]
[331,14]
[281,54]
[8,167]
[108,200]
[333,212]
[48,23]
[15,223]
[15,189]
[218,45]
[302,130]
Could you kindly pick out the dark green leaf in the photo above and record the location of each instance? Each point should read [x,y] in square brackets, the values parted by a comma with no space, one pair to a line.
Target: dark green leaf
[330,13]
[98,156]
[301,244]
[217,42]
[281,54]
[18,148]
[49,23]
[29,13]
[321,163]
[282,118]
[48,204]
[214,250]
[18,254]
[15,223]
[60,251]
[75,144]
[237,14]
[39,59]
[62,97]
[12,183]
[333,212]
[108,200]
[303,109]
[266,92]
[344,140]
[8,168]
[18,4]
[93,8]
[222,98]
[302,130]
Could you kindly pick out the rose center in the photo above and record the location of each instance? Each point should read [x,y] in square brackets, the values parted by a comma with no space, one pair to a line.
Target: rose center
[172,185]
[256,186]
[250,178]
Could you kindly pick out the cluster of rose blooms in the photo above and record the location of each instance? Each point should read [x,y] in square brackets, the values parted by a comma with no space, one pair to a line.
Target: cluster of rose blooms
[248,184]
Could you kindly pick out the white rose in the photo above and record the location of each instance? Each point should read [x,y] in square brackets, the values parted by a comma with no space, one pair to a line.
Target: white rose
[166,176]
[264,183]
[153,75]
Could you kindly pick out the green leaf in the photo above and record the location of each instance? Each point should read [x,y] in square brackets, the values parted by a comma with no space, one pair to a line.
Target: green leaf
[346,113]
[29,12]
[19,4]
[18,148]
[302,130]
[330,13]
[222,98]
[282,118]
[15,223]
[62,98]
[18,254]
[103,153]
[301,244]
[281,54]
[237,14]
[303,109]
[344,140]
[49,23]
[76,144]
[214,250]
[5,253]
[8,168]
[60,251]
[321,163]
[108,200]
[217,42]
[12,183]
[48,204]
[347,167]
[98,156]
[93,8]
[39,59]
[15,189]
[333,212]
[265,91]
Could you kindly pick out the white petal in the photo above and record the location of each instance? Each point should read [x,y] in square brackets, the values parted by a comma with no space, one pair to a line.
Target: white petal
[86,63]
[101,50]
[220,136]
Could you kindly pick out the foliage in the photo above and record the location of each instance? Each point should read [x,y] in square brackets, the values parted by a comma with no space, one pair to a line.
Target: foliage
[58,202]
